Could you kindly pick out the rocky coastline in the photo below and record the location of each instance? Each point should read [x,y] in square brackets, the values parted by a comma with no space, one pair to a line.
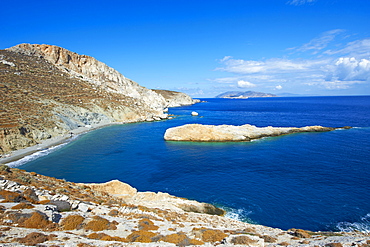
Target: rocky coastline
[232,133]
[50,94]
[37,210]
[47,92]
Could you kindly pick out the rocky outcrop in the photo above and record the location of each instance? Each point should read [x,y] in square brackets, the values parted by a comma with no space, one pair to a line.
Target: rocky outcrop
[47,91]
[151,199]
[38,210]
[231,133]
[176,99]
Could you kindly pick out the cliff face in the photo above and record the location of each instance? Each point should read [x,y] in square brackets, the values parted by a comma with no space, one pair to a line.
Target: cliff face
[47,91]
[93,71]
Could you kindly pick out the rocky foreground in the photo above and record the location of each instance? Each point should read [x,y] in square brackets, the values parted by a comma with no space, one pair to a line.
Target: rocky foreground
[44,211]
[231,133]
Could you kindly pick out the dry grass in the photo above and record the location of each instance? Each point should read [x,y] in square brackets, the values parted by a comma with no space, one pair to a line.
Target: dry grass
[72,222]
[147,225]
[23,205]
[10,196]
[105,237]
[243,240]
[141,236]
[213,236]
[39,221]
[97,224]
[34,238]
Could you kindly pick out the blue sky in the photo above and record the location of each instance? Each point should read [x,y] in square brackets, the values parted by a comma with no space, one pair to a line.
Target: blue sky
[203,48]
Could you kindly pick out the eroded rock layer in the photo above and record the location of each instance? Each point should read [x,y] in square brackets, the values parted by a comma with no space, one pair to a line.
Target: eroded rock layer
[229,133]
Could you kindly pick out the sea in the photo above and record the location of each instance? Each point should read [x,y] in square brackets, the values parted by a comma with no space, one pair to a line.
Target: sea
[312,181]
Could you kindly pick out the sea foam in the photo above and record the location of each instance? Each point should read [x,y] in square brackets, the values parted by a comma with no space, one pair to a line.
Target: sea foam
[34,156]
[362,226]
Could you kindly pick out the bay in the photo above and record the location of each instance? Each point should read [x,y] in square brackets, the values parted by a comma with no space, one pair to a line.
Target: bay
[313,181]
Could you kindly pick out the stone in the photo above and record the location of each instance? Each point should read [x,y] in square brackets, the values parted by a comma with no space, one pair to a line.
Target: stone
[61,205]
[194,113]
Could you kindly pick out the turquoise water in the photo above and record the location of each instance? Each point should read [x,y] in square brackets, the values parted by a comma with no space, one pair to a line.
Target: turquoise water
[314,181]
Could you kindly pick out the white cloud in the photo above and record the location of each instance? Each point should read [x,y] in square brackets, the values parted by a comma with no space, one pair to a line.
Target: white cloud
[320,42]
[300,2]
[349,69]
[340,68]
[358,48]
[240,66]
[246,84]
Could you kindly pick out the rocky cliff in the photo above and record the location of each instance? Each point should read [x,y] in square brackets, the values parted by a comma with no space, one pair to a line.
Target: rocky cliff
[42,211]
[47,91]
[229,133]
[175,99]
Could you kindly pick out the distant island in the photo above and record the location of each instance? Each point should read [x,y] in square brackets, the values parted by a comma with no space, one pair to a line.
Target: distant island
[244,95]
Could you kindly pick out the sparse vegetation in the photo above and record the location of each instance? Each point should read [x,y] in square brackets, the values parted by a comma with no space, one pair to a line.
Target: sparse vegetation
[72,222]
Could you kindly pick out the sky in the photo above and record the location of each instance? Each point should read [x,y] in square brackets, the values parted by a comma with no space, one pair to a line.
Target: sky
[204,48]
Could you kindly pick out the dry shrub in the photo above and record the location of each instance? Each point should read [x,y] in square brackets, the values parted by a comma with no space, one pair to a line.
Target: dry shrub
[269,239]
[44,202]
[179,239]
[10,196]
[213,236]
[30,195]
[284,244]
[39,221]
[334,245]
[174,238]
[97,224]
[97,236]
[147,225]
[244,240]
[16,217]
[85,245]
[72,222]
[113,212]
[104,237]
[141,236]
[23,205]
[33,238]
[299,233]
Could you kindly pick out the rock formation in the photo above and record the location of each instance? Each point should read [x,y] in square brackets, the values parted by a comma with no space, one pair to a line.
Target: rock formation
[175,99]
[47,91]
[43,211]
[231,133]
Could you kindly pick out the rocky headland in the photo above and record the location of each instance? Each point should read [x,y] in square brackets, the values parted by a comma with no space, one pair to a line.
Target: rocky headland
[47,92]
[232,133]
[37,210]
[176,99]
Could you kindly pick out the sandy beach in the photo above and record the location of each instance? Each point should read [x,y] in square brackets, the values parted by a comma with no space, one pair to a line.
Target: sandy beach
[52,142]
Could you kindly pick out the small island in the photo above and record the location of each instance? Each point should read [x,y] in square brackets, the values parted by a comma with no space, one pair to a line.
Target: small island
[244,95]
[231,133]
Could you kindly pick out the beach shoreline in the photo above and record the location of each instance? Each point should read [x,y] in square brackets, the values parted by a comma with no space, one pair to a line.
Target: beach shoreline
[52,142]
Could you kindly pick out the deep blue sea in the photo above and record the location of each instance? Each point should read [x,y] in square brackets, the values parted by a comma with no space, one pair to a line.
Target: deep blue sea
[314,181]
